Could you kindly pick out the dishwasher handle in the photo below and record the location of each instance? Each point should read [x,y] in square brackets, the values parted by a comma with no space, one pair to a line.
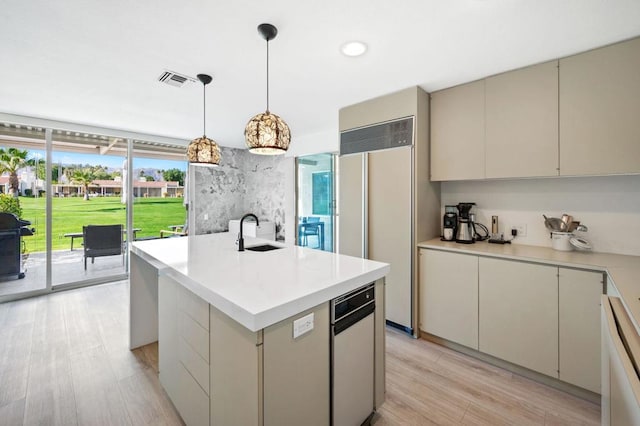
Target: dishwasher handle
[349,320]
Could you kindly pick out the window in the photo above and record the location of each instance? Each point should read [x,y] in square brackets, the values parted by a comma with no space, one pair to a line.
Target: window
[321,188]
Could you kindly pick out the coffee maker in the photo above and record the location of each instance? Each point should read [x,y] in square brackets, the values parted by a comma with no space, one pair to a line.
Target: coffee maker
[465,231]
[449,223]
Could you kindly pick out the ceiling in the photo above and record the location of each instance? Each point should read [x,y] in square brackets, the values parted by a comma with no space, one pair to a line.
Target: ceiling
[97,62]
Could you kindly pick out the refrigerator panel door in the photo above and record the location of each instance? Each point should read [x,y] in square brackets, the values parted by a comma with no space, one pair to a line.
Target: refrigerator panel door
[350,205]
[390,227]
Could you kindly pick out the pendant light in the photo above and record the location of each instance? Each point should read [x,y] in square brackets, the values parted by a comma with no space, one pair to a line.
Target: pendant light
[204,151]
[266,133]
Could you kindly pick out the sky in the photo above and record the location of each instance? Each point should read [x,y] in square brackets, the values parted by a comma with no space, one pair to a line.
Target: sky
[109,160]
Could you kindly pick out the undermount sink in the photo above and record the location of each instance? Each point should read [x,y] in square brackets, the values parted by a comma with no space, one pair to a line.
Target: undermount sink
[263,247]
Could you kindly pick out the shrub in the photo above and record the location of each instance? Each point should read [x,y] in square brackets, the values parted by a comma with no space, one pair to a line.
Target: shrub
[10,204]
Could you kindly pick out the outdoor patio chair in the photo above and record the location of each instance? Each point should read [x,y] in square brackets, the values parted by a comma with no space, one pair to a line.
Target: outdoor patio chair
[102,240]
[174,230]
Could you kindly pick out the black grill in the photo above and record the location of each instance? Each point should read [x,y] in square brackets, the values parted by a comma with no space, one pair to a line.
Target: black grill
[12,230]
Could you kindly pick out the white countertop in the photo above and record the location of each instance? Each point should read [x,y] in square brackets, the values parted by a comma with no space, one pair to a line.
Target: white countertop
[257,289]
[623,270]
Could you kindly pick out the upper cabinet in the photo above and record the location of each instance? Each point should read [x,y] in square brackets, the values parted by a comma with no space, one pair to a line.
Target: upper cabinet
[483,129]
[457,132]
[599,105]
[576,116]
[521,115]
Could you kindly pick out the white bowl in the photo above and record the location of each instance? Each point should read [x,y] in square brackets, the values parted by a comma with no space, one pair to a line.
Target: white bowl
[580,243]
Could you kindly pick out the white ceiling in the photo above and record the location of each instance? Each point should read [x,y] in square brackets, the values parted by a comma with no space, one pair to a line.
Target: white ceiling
[96,62]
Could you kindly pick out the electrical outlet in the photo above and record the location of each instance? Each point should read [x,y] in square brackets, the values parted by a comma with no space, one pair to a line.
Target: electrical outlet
[206,216]
[521,228]
[302,325]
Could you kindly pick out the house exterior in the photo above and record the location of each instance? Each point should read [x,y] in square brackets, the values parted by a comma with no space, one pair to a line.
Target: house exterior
[99,187]
[26,181]
[113,188]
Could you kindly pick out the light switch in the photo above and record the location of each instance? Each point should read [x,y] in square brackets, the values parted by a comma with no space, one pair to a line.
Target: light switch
[302,325]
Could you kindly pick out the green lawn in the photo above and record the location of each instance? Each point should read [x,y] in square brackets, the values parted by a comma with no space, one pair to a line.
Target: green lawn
[70,214]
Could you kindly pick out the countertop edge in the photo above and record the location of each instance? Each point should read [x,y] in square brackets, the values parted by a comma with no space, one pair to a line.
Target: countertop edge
[468,249]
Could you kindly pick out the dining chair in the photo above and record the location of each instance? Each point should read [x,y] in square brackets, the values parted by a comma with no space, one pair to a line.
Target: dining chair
[311,228]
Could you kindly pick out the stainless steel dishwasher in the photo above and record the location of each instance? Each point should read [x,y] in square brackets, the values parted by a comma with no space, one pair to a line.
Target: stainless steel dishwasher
[352,357]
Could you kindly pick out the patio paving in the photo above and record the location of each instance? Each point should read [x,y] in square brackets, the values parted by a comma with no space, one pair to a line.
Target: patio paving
[67,267]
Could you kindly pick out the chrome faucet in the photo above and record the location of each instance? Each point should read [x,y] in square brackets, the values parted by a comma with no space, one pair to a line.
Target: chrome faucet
[240,236]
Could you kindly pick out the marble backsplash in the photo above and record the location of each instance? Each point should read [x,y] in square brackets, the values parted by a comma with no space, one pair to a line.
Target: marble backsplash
[242,183]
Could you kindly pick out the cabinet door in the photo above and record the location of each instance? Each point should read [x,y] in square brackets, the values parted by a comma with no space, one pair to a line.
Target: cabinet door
[457,133]
[621,403]
[519,313]
[579,301]
[390,226]
[168,336]
[599,104]
[449,296]
[236,372]
[522,122]
[296,372]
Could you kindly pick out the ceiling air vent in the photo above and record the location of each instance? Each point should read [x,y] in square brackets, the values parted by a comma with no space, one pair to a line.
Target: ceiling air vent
[174,79]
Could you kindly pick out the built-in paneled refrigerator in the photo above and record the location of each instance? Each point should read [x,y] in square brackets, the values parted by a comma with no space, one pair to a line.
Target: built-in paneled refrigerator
[376,213]
[386,202]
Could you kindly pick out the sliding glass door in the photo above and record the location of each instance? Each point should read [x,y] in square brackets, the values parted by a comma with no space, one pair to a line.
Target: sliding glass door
[22,197]
[315,206]
[159,209]
[87,185]
[69,207]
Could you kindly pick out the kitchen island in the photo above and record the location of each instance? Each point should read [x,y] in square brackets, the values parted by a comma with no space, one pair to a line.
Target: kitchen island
[245,337]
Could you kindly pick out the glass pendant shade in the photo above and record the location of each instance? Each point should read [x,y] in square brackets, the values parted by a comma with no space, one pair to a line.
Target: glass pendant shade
[267,134]
[204,151]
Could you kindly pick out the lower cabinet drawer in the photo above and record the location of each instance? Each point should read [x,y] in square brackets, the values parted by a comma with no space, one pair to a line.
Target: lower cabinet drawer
[194,364]
[194,306]
[192,402]
[194,334]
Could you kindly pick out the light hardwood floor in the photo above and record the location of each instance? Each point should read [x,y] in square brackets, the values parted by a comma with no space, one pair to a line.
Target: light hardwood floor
[64,360]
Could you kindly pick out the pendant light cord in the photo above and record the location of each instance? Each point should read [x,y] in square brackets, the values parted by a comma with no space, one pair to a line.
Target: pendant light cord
[267,75]
[204,109]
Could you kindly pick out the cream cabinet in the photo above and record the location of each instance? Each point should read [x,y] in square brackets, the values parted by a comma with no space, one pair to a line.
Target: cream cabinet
[168,335]
[621,385]
[218,372]
[570,117]
[518,320]
[268,377]
[296,373]
[599,104]
[183,350]
[579,295]
[457,133]
[449,296]
[541,317]
[522,122]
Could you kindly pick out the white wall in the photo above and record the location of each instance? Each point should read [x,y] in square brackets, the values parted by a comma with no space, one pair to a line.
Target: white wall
[608,205]
[327,141]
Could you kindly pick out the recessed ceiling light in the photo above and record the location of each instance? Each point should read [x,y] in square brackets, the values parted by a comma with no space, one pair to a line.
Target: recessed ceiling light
[354,48]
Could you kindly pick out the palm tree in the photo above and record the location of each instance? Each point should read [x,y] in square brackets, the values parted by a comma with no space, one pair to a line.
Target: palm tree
[11,160]
[83,177]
